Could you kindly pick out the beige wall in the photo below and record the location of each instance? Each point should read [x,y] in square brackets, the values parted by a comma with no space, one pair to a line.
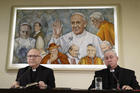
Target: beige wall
[129,24]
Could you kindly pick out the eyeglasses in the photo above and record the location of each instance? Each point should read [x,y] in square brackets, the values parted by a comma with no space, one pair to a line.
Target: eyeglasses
[34,56]
[108,57]
[25,31]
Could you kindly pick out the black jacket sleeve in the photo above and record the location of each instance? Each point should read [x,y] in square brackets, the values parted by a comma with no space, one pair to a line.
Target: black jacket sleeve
[134,84]
[51,80]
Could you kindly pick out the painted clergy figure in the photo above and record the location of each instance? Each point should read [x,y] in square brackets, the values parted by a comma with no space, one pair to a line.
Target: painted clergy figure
[23,43]
[72,54]
[78,36]
[105,28]
[38,35]
[91,56]
[54,56]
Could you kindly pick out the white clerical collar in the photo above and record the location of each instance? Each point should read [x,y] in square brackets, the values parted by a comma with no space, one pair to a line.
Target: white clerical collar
[34,70]
[112,70]
[36,33]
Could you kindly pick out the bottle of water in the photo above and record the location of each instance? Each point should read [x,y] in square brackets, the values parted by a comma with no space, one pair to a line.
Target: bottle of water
[98,83]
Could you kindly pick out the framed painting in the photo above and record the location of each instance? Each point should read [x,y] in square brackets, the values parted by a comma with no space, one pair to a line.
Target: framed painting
[69,38]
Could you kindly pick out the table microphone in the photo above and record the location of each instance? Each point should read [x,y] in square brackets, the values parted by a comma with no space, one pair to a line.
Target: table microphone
[108,67]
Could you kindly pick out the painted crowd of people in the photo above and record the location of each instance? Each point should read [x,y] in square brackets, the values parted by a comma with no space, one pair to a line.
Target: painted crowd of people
[76,47]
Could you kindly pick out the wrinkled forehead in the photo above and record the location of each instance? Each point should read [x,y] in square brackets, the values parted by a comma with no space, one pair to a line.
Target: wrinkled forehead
[104,45]
[37,24]
[77,17]
[109,53]
[53,49]
[75,47]
[91,48]
[33,52]
[24,28]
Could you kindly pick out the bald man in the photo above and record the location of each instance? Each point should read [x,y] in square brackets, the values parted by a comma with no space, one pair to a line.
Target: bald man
[35,73]
[73,54]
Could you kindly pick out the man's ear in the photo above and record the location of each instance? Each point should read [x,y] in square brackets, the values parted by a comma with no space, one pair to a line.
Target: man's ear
[69,50]
[117,58]
[85,24]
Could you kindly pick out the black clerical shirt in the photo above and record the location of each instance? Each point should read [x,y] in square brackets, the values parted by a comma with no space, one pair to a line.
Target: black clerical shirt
[112,79]
[33,75]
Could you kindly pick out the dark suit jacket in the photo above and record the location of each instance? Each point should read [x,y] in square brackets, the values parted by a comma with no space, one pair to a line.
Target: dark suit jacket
[125,77]
[43,74]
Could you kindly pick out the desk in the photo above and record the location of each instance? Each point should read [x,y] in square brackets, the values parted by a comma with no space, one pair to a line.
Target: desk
[63,91]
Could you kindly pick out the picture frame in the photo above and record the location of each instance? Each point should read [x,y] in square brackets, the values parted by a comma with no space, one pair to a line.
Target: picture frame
[47,16]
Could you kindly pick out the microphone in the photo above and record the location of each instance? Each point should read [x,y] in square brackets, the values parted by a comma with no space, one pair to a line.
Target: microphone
[118,84]
[112,71]
[108,67]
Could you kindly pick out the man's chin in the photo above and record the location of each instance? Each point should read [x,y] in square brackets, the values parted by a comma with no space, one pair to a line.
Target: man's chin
[31,65]
[77,33]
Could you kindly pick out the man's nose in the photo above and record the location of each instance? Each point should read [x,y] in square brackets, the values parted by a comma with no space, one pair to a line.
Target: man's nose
[26,33]
[75,24]
[109,59]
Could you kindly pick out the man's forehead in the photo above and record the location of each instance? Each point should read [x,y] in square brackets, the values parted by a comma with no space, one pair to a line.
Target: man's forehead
[109,54]
[24,28]
[104,46]
[53,49]
[75,47]
[77,16]
[36,23]
[91,47]
[92,18]
[33,51]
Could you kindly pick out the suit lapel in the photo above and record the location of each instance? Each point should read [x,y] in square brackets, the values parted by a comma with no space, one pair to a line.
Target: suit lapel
[29,75]
[106,79]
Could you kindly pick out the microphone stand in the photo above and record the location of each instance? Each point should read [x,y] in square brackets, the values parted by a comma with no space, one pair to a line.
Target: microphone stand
[118,84]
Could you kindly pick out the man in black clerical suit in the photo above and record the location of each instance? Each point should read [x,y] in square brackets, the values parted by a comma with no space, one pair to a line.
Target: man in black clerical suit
[115,77]
[35,73]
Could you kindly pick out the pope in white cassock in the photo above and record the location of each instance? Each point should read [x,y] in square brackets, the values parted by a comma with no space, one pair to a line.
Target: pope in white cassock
[78,36]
